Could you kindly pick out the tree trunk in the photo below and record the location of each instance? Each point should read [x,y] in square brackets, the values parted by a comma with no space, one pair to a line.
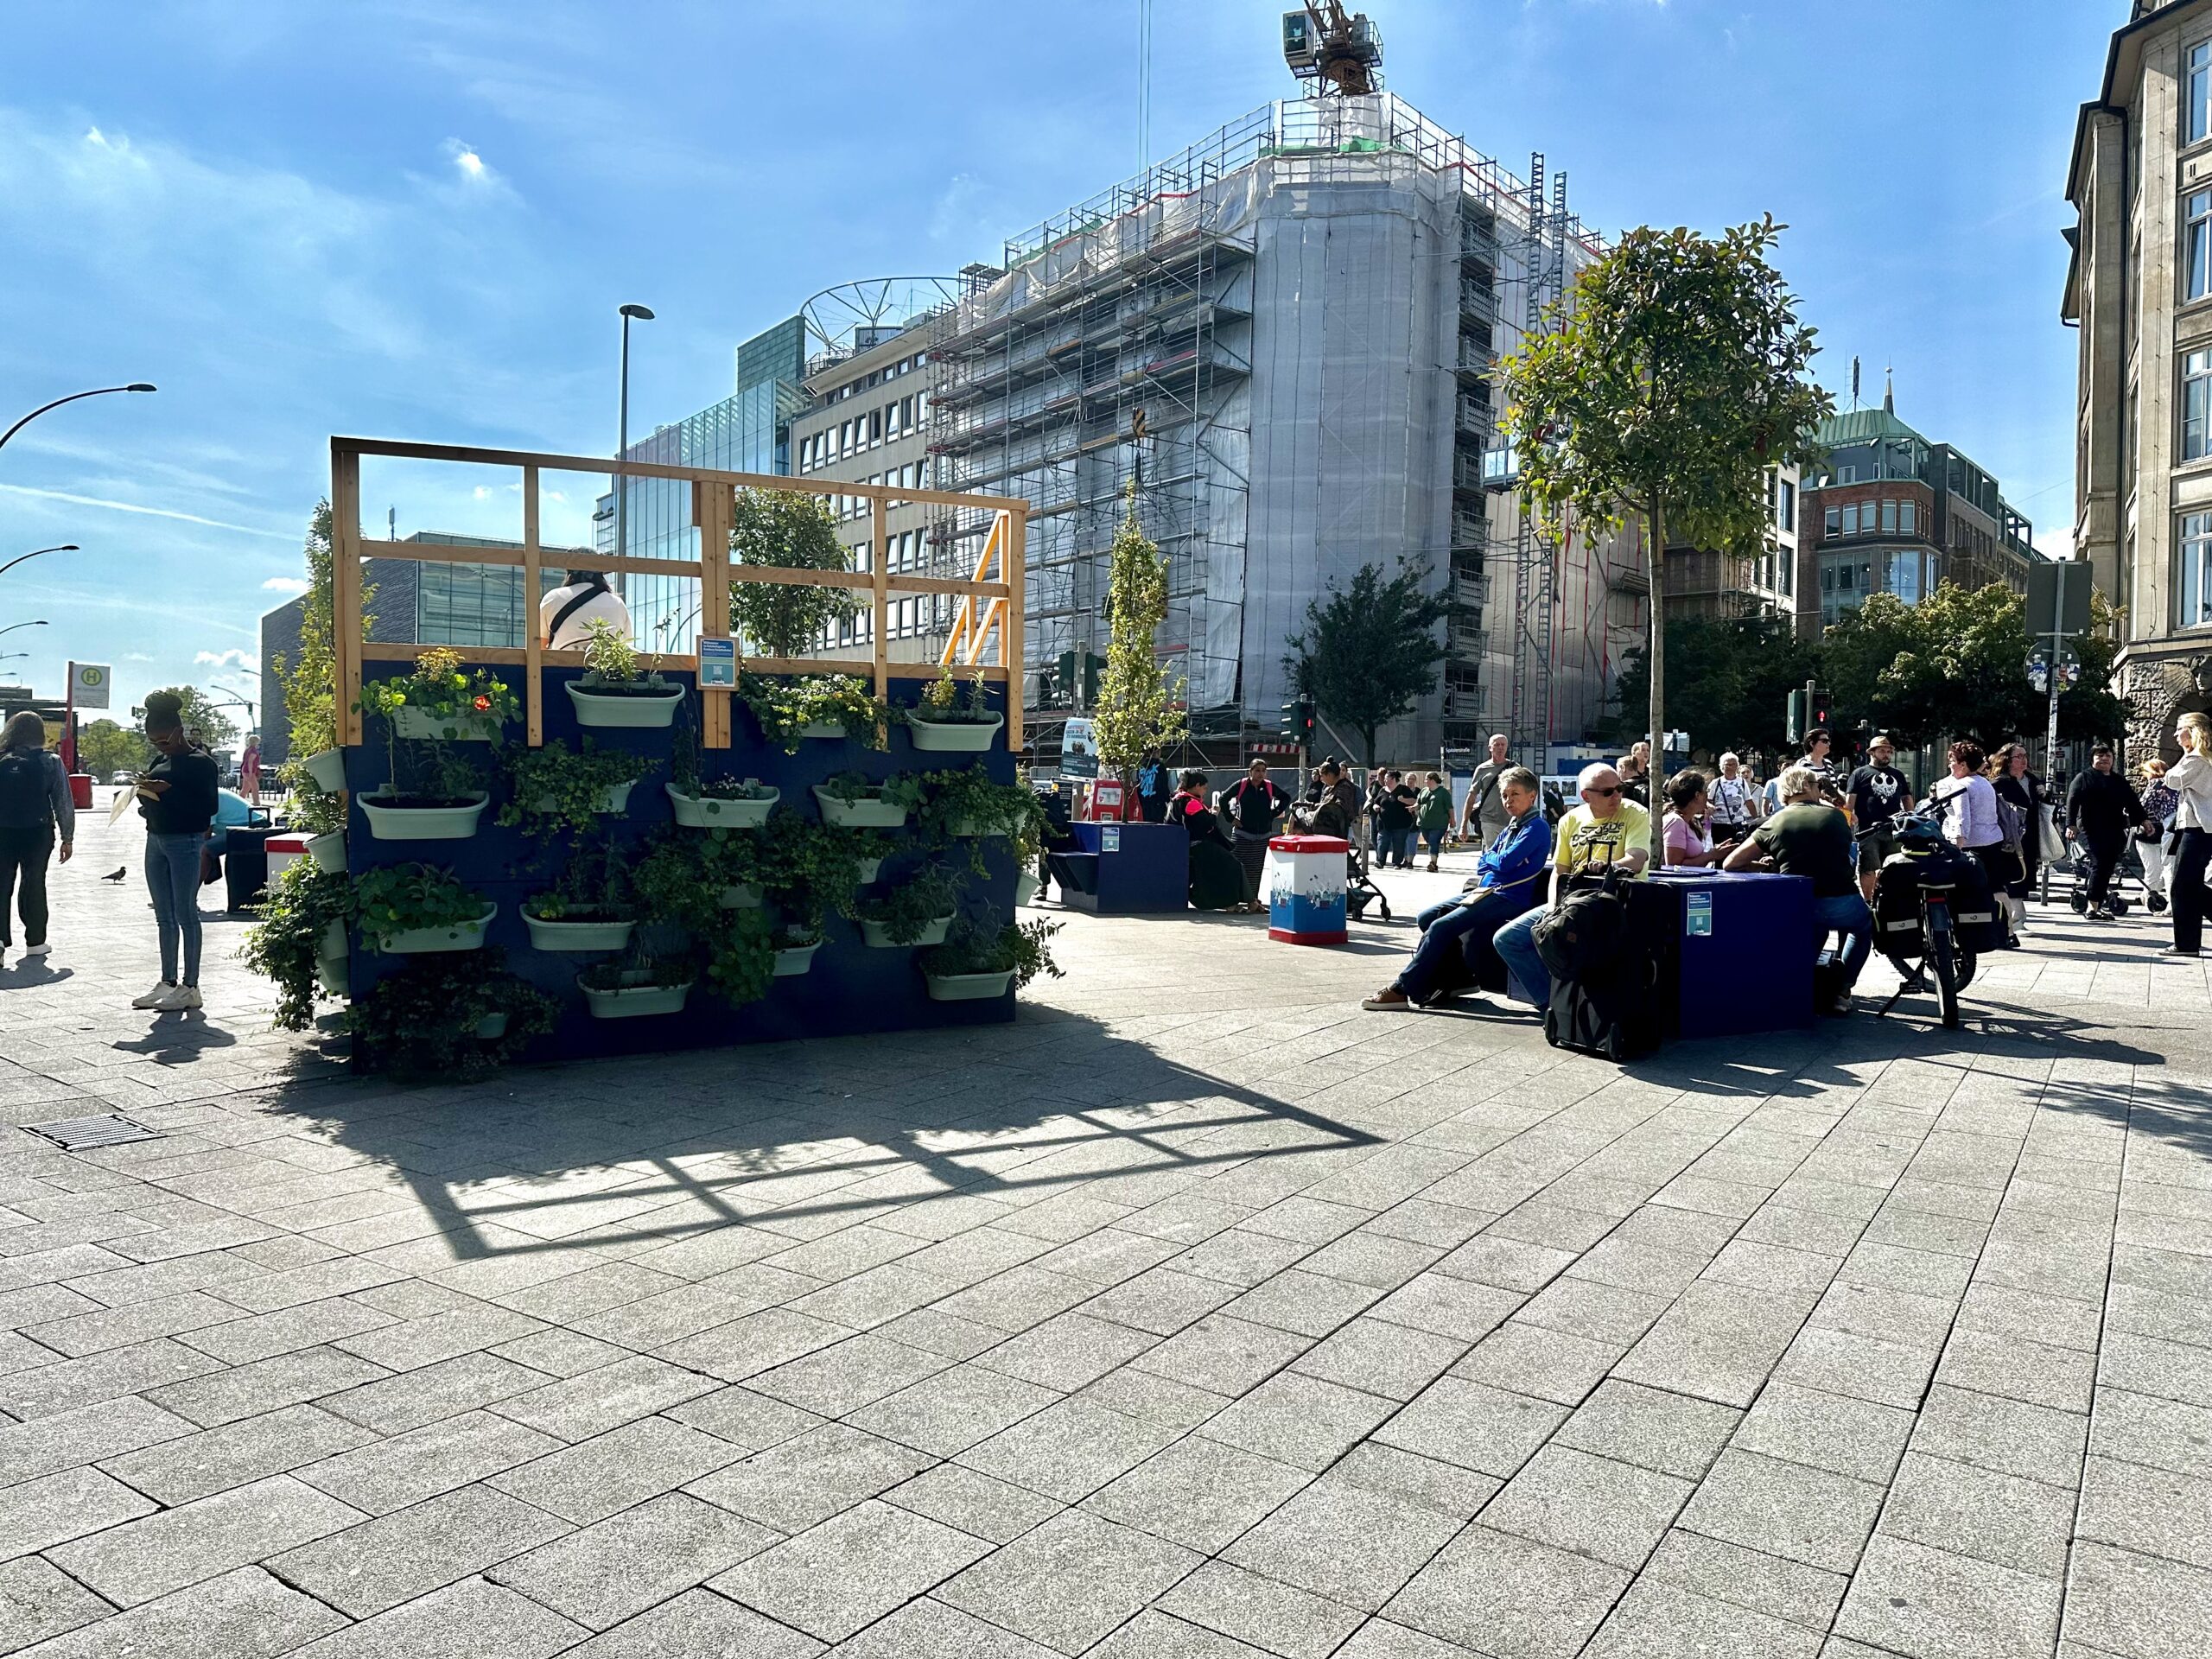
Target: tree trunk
[1656,513]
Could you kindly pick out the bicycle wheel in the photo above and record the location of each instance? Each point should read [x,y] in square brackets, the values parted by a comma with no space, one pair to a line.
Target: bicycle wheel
[1945,963]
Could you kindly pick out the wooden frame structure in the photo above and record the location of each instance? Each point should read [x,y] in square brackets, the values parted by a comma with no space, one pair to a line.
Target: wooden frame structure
[714,506]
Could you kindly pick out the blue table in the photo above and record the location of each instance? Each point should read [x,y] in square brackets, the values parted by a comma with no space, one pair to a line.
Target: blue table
[1736,951]
[1139,868]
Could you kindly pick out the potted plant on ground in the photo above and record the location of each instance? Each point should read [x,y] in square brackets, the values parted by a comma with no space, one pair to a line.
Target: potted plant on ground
[443,1017]
[635,984]
[615,690]
[979,960]
[590,908]
[917,911]
[408,909]
[792,707]
[852,801]
[948,717]
[555,789]
[300,939]
[441,701]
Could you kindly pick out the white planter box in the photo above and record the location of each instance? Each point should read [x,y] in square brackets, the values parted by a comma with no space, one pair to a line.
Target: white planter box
[613,799]
[1025,886]
[630,1001]
[412,722]
[945,736]
[492,1027]
[601,708]
[577,936]
[328,769]
[972,827]
[421,941]
[858,815]
[968,988]
[423,823]
[336,974]
[833,730]
[705,812]
[742,896]
[870,868]
[796,960]
[879,939]
[328,851]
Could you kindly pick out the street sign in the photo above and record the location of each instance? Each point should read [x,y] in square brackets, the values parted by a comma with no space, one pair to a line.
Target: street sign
[2058,597]
[717,661]
[88,683]
[1078,750]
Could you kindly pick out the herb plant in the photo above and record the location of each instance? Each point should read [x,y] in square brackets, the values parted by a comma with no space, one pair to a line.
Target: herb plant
[594,887]
[945,701]
[286,944]
[403,896]
[906,911]
[974,947]
[810,868]
[900,789]
[554,791]
[422,1021]
[611,665]
[785,705]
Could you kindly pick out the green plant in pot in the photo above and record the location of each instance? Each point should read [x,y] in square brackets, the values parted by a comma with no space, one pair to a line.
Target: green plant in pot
[792,707]
[444,1018]
[410,908]
[855,801]
[981,959]
[302,930]
[951,716]
[637,983]
[918,910]
[555,791]
[591,907]
[615,689]
[809,868]
[708,886]
[434,790]
[963,802]
[724,803]
[442,701]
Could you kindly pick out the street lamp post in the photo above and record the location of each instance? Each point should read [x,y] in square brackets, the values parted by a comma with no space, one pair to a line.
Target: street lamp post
[97,391]
[12,626]
[622,436]
[65,547]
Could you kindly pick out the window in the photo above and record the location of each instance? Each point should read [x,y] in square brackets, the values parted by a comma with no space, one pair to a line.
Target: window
[1905,577]
[1843,578]
[2199,109]
[1785,505]
[2196,245]
[1889,517]
[2196,405]
[1907,512]
[1832,522]
[1846,474]
[1851,519]
[2194,588]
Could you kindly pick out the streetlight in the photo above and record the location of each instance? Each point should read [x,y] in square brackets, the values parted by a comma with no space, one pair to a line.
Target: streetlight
[97,391]
[65,547]
[622,434]
[12,626]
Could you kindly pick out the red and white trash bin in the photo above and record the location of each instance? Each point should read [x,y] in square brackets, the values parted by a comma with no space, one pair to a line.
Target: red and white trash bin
[1305,882]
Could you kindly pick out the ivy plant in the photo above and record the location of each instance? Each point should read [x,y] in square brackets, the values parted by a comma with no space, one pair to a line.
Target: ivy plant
[810,868]
[285,945]
[679,884]
[554,792]
[422,1020]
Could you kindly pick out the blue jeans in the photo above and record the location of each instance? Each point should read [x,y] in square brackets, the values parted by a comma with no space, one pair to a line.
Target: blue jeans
[1447,931]
[173,878]
[1435,840]
[1846,913]
[1516,943]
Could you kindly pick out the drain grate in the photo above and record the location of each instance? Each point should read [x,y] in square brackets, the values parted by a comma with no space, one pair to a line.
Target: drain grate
[79,1134]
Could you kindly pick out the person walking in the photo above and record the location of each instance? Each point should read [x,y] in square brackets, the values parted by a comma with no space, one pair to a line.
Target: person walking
[1485,814]
[177,799]
[1971,823]
[33,805]
[2190,779]
[1505,883]
[1877,791]
[1432,815]
[1607,831]
[1253,807]
[2021,790]
[1397,821]
[1734,799]
[249,771]
[2159,804]
[1154,786]
[2102,809]
[1812,838]
[1686,842]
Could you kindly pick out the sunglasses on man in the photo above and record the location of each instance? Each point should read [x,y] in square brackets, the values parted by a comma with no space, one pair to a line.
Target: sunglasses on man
[1595,789]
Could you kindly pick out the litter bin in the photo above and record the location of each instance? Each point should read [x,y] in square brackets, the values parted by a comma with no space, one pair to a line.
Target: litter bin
[1305,883]
[81,791]
[245,864]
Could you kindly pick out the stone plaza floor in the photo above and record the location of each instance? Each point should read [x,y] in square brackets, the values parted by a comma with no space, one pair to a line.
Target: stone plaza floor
[1197,1313]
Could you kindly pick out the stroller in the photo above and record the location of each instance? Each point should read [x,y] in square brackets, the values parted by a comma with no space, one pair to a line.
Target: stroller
[2129,873]
[1360,889]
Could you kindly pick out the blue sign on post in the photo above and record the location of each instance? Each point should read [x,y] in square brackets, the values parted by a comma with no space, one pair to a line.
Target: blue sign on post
[717,661]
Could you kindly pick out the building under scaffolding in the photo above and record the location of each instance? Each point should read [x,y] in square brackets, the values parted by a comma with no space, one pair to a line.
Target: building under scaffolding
[1288,334]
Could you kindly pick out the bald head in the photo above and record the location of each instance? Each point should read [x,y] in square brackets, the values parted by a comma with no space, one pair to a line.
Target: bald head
[1600,786]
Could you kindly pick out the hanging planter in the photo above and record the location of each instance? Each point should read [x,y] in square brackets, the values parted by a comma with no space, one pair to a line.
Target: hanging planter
[968,988]
[333,960]
[630,993]
[328,770]
[647,706]
[975,827]
[742,895]
[328,851]
[864,812]
[563,933]
[869,869]
[833,731]
[723,812]
[429,725]
[615,798]
[792,960]
[954,736]
[493,1027]
[878,934]
[400,818]
[1026,887]
[451,936]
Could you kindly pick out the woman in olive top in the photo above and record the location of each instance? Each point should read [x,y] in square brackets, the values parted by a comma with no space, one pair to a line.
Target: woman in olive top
[177,796]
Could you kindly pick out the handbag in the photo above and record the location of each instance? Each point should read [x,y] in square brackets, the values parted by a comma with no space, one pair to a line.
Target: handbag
[2053,844]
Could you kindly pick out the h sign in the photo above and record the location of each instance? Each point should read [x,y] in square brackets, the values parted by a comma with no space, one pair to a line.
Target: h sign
[88,683]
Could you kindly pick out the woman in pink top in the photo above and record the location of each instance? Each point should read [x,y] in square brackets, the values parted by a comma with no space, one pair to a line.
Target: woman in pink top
[1688,835]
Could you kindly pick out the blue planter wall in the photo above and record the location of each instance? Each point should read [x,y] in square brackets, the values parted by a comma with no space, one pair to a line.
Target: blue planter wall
[851,988]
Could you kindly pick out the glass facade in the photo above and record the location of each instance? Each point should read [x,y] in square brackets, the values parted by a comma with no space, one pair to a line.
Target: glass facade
[477,604]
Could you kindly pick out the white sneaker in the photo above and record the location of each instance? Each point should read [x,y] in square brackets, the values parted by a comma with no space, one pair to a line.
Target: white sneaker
[178,998]
[38,950]
[158,997]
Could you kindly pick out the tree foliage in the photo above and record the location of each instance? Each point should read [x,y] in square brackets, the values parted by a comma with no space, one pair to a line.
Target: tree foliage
[1138,702]
[1369,650]
[779,527]
[1675,374]
[1730,681]
[210,719]
[104,748]
[309,675]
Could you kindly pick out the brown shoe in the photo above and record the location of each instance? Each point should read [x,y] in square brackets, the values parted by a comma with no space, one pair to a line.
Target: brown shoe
[1431,867]
[1391,998]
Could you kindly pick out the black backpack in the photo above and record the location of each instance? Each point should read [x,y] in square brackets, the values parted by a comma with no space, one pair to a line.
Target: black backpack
[1585,928]
[25,800]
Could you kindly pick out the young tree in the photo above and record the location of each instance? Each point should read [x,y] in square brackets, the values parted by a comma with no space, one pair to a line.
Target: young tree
[1369,650]
[777,527]
[1138,704]
[1674,376]
[104,748]
[1731,680]
[310,674]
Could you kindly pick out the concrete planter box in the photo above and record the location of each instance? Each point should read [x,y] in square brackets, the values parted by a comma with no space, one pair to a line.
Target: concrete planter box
[879,939]
[796,959]
[969,987]
[420,723]
[328,770]
[632,1001]
[707,813]
[423,823]
[421,941]
[858,815]
[604,708]
[950,736]
[577,936]
[328,851]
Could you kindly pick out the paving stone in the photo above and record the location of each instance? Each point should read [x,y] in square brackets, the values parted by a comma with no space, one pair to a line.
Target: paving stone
[119,1327]
[1674,1434]
[1554,1365]
[2152,1511]
[1718,1342]
[1601,1312]
[1444,1487]
[1154,1634]
[1161,1301]
[1345,1541]
[1067,1352]
[1748,1578]
[1224,1354]
[381,1563]
[1507,1263]
[226,1396]
[927,1628]
[1069,1451]
[2019,1369]
[446,1389]
[2031,1441]
[473,1619]
[1859,1367]
[1966,1510]
[977,1503]
[621,1566]
[591,1402]
[1911,1598]
[1277,1617]
[49,1509]
[88,1434]
[698,1624]
[1656,1620]
[38,1600]
[1612,1512]
[42,1390]
[393,1472]
[246,1614]
[808,1478]
[1473,1425]
[1516,1598]
[408,1344]
[1381,1639]
[1446,1306]
[750,1421]
[1198,1493]
[1161,1403]
[1300,1421]
[1070,1582]
[836,1577]
[1827,1431]
[164,1551]
[2164,1433]
[263,1336]
[2141,1606]
[1785,1508]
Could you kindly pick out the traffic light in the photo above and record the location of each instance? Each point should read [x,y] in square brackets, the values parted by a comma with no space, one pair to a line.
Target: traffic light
[1820,709]
[1299,720]
[1796,722]
[1089,664]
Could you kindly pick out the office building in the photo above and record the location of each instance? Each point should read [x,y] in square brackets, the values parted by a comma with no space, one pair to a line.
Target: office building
[1888,511]
[1727,586]
[2138,288]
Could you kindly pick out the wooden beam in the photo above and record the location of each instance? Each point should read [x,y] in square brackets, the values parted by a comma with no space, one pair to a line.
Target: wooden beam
[1014,634]
[766,574]
[532,640]
[399,650]
[713,510]
[345,591]
[880,568]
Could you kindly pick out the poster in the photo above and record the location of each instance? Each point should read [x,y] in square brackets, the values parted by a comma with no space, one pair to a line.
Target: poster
[1078,750]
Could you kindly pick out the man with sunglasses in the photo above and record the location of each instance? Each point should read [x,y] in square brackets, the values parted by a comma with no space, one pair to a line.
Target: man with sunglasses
[1607,830]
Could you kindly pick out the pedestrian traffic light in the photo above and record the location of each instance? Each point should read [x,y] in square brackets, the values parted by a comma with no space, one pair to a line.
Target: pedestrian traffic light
[1821,711]
[1299,716]
[1796,722]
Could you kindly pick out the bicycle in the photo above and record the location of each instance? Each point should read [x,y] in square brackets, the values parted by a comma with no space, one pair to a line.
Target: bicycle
[1928,940]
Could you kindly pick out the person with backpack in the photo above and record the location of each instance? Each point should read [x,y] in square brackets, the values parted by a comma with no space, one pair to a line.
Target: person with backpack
[33,803]
[1975,820]
[1608,831]
[1506,877]
[1154,786]
[1812,838]
[1253,808]
[1485,814]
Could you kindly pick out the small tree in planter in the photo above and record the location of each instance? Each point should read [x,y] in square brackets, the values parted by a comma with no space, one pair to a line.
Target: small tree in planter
[948,717]
[310,673]
[979,960]
[792,709]
[615,690]
[408,908]
[917,911]
[556,791]
[1136,700]
[444,1018]
[855,801]
[292,940]
[790,531]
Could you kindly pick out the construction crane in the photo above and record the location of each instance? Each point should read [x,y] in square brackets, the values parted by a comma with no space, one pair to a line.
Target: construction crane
[1338,51]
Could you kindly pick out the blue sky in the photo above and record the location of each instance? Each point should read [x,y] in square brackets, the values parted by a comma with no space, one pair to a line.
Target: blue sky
[415,219]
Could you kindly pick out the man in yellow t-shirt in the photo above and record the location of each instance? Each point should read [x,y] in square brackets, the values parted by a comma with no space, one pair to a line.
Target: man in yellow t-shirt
[1608,828]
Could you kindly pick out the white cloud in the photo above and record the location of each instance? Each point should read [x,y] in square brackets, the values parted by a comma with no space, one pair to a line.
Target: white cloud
[151,512]
[285,585]
[471,166]
[136,657]
[225,659]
